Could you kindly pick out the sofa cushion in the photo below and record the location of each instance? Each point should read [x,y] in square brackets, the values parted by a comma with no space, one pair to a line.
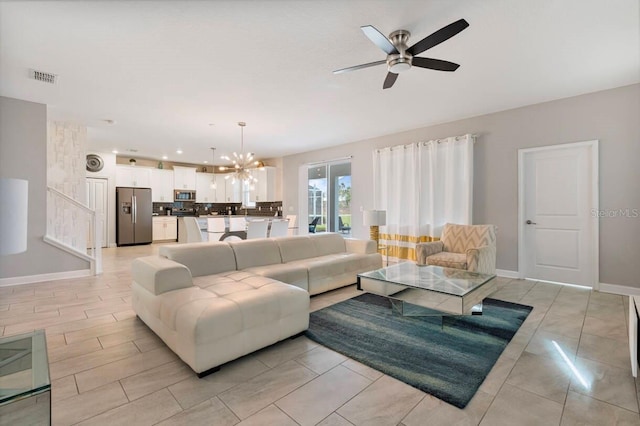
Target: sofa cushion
[236,302]
[221,284]
[202,258]
[328,243]
[296,248]
[334,264]
[448,260]
[290,273]
[258,252]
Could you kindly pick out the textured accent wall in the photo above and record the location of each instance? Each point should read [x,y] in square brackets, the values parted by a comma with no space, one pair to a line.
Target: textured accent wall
[66,153]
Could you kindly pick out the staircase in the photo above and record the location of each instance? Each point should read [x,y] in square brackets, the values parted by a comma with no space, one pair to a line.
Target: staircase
[74,228]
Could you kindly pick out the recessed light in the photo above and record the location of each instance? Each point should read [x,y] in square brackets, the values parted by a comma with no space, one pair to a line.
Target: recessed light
[211,124]
[115,151]
[164,157]
[109,121]
[179,151]
[205,161]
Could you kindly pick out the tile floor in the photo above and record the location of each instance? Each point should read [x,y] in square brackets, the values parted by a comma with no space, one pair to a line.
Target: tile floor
[107,367]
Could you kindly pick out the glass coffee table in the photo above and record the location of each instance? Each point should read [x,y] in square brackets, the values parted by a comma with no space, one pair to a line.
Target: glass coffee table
[25,388]
[442,291]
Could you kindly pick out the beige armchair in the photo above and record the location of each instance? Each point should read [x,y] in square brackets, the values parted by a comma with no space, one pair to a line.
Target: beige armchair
[470,247]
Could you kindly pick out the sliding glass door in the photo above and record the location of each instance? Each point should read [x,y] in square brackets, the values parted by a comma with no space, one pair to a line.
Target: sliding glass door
[329,197]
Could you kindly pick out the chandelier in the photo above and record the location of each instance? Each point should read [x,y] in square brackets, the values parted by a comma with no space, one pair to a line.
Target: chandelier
[241,163]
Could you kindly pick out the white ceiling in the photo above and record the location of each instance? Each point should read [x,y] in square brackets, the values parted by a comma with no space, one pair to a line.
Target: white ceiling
[165,70]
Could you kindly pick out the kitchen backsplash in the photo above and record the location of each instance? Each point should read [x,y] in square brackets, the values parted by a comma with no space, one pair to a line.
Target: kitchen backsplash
[266,208]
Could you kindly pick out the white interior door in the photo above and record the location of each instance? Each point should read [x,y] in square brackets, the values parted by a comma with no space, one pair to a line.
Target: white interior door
[97,196]
[558,230]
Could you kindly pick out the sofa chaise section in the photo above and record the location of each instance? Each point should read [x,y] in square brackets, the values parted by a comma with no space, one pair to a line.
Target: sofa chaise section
[215,314]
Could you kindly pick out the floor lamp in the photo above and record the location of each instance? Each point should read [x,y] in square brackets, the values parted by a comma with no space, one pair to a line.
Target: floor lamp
[14,212]
[374,219]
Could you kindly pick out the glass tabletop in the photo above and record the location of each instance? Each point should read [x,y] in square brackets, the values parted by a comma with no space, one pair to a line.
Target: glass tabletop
[451,281]
[24,368]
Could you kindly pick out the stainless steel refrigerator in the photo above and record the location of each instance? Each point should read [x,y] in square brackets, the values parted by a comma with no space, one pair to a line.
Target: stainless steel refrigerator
[133,216]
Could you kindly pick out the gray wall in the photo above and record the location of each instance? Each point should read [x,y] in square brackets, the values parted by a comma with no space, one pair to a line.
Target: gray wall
[611,116]
[23,155]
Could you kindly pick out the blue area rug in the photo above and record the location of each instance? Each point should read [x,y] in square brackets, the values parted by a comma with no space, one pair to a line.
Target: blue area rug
[449,362]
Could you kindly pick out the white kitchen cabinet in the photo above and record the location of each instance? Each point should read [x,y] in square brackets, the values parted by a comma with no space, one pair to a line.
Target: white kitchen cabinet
[165,228]
[221,193]
[265,188]
[184,178]
[132,176]
[204,192]
[161,186]
[233,191]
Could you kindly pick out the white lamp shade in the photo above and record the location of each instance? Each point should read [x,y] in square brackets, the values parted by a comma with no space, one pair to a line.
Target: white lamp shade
[14,212]
[374,218]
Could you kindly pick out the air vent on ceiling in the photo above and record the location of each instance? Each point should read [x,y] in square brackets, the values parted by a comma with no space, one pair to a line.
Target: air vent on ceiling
[45,77]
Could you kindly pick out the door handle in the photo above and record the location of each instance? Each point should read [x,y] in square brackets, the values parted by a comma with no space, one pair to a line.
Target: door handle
[528,222]
[135,210]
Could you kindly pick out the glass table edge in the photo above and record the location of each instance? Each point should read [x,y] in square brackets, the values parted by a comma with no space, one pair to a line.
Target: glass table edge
[488,276]
[39,358]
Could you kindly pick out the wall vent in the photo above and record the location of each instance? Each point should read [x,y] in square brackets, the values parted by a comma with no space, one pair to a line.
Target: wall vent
[45,77]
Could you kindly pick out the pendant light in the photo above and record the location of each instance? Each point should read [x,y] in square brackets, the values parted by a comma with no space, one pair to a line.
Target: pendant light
[213,159]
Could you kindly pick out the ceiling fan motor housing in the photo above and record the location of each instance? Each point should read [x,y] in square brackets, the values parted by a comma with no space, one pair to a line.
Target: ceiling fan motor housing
[401,61]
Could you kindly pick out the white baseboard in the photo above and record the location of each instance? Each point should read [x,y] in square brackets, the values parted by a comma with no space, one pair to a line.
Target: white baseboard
[507,274]
[619,289]
[113,245]
[29,279]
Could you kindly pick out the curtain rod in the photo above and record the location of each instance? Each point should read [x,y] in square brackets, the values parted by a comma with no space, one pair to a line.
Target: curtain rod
[473,136]
[349,157]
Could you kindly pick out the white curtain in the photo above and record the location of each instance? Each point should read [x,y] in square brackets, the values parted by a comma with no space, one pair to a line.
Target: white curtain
[421,187]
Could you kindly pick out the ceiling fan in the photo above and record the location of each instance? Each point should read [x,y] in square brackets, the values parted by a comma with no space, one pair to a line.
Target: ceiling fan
[400,57]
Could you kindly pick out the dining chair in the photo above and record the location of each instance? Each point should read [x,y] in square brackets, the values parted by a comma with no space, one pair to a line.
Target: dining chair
[216,228]
[279,228]
[192,230]
[257,229]
[293,224]
[237,223]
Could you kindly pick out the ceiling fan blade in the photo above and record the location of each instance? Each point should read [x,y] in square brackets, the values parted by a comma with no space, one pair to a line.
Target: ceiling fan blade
[434,64]
[443,34]
[359,67]
[379,39]
[388,82]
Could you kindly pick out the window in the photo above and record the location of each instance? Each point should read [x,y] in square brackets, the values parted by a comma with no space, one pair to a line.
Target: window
[329,197]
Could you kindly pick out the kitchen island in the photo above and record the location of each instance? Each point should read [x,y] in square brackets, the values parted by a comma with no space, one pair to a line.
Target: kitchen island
[206,232]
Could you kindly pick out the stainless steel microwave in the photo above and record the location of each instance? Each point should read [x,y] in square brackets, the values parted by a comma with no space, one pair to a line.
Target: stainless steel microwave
[184,195]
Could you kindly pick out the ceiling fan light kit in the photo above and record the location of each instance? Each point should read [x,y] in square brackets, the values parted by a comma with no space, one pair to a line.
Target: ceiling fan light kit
[401,58]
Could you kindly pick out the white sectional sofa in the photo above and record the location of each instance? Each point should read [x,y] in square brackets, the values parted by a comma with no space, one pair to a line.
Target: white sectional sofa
[214,302]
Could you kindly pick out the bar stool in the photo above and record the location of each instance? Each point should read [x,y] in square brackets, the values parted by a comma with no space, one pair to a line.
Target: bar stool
[279,228]
[216,228]
[257,229]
